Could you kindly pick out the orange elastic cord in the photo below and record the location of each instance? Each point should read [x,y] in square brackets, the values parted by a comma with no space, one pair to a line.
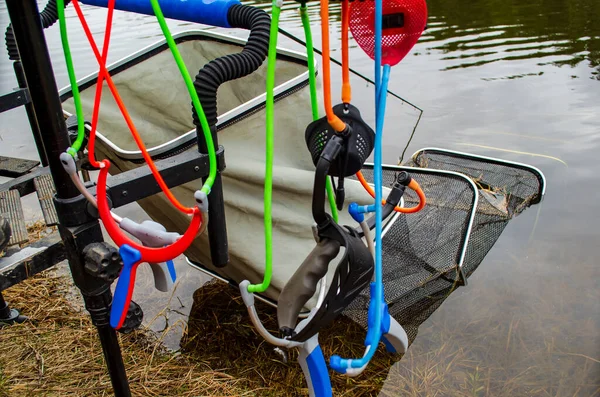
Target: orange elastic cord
[413,185]
[346,90]
[332,119]
[151,255]
[128,119]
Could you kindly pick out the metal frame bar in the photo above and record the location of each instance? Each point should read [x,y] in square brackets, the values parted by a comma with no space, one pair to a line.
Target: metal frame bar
[18,97]
[19,265]
[139,183]
[24,183]
[539,174]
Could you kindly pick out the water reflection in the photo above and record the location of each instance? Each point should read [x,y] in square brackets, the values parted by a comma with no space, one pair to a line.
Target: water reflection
[558,32]
[498,74]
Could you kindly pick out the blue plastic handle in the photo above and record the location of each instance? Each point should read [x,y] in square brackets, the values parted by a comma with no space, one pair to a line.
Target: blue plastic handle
[172,273]
[120,304]
[208,12]
[319,376]
[315,369]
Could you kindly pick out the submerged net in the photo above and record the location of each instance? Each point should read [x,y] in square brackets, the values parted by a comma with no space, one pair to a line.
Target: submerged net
[467,210]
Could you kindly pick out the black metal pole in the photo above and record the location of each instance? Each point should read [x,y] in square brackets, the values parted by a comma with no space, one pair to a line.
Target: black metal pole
[9,316]
[217,227]
[31,42]
[35,129]
[4,309]
[97,297]
[39,76]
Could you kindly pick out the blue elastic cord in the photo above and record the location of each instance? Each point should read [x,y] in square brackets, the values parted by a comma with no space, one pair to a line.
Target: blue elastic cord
[374,334]
[380,87]
[381,84]
[378,40]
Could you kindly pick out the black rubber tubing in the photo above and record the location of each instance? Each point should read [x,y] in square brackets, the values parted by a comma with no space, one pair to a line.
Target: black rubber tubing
[49,16]
[234,66]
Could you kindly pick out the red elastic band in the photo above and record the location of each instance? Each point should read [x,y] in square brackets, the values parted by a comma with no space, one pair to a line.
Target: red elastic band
[151,255]
[103,74]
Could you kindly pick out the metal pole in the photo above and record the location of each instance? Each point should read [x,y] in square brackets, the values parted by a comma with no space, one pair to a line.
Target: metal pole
[97,297]
[217,227]
[31,42]
[35,129]
[39,76]
[9,316]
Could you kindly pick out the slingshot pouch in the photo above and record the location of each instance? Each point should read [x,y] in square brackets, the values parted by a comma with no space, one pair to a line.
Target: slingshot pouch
[358,145]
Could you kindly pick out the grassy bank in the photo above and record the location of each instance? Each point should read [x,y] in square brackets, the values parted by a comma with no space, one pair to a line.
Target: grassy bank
[57,352]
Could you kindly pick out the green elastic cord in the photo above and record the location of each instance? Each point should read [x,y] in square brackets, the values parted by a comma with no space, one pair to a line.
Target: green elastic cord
[313,95]
[212,157]
[271,61]
[76,146]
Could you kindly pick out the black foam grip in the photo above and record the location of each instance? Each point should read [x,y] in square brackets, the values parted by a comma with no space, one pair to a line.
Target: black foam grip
[234,66]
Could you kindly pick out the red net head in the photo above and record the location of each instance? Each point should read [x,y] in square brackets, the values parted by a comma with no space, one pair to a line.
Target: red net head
[403,23]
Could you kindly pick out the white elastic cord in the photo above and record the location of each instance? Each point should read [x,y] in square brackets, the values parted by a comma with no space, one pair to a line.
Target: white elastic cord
[248,298]
[204,223]
[367,232]
[352,372]
[82,189]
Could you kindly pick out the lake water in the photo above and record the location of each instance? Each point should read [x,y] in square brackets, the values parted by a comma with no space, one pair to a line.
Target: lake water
[510,79]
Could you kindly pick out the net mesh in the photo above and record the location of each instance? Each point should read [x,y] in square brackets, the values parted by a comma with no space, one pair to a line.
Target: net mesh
[404,22]
[422,252]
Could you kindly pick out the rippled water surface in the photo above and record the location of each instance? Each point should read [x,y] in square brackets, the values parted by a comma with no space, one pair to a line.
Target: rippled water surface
[512,79]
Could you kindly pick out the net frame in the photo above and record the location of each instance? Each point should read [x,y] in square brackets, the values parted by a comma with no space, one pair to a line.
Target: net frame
[423,260]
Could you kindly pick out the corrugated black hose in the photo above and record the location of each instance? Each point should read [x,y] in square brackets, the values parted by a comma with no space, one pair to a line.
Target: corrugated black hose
[233,66]
[49,16]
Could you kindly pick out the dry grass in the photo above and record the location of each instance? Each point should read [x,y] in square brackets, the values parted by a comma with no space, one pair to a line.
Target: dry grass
[510,337]
[220,333]
[57,352]
[38,230]
[496,353]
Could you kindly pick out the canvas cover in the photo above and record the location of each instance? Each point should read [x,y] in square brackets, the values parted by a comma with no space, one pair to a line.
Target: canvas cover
[160,106]
[470,199]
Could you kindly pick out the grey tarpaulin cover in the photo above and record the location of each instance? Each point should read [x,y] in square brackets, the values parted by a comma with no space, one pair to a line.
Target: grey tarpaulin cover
[159,104]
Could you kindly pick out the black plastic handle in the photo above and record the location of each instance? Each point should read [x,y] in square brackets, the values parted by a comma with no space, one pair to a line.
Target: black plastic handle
[303,284]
